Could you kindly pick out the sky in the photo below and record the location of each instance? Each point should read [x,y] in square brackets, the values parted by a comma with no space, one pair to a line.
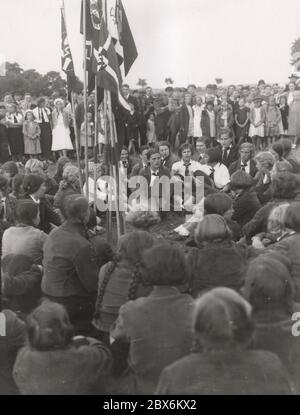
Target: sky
[240,41]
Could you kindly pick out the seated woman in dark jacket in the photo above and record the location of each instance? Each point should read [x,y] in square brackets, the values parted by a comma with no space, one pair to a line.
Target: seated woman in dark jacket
[283,190]
[269,288]
[11,340]
[70,267]
[120,279]
[245,203]
[220,364]
[60,165]
[218,261]
[55,363]
[158,328]
[34,188]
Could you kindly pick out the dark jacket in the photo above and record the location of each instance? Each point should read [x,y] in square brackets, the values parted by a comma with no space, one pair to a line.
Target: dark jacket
[159,328]
[217,264]
[273,332]
[65,189]
[245,205]
[71,371]
[236,165]
[116,293]
[70,267]
[14,338]
[228,157]
[245,372]
[184,122]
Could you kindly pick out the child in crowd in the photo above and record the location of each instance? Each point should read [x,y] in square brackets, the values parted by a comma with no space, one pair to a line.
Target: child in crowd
[284,110]
[241,118]
[273,122]
[32,132]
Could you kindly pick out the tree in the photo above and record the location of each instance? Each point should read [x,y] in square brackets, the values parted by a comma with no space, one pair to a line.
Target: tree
[142,82]
[169,81]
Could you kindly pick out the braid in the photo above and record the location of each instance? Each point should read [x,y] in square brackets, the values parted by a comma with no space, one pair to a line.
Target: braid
[134,283]
[101,291]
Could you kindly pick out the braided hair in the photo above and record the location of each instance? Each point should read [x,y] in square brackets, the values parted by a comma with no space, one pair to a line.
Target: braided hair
[134,283]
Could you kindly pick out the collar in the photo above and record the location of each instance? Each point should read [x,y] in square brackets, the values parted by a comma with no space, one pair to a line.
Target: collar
[154,172]
[76,227]
[37,201]
[164,291]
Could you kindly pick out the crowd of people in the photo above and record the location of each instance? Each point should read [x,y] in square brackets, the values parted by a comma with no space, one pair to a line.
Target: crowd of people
[205,308]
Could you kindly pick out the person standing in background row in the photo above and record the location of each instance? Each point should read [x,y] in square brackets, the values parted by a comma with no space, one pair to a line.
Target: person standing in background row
[14,123]
[61,131]
[31,131]
[43,117]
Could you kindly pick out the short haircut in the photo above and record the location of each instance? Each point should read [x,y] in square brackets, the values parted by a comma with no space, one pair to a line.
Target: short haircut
[217,203]
[287,146]
[247,146]
[265,157]
[212,228]
[75,207]
[164,265]
[49,327]
[278,149]
[191,86]
[32,182]
[223,318]
[214,155]
[169,89]
[125,86]
[241,180]
[143,148]
[3,183]
[284,185]
[26,211]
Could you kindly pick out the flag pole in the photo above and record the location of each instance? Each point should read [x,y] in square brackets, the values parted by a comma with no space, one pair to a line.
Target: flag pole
[74,118]
[85,102]
[76,142]
[114,167]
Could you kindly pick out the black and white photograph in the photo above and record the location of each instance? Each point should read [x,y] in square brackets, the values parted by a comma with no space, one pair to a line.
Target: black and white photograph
[149,200]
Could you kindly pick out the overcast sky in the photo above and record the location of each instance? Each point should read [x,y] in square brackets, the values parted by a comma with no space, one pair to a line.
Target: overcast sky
[195,41]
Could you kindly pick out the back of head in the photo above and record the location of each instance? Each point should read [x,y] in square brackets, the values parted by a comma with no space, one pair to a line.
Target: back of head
[49,327]
[132,245]
[164,265]
[70,173]
[142,219]
[268,284]
[277,147]
[223,320]
[212,228]
[26,211]
[282,166]
[217,203]
[76,208]
[17,182]
[276,220]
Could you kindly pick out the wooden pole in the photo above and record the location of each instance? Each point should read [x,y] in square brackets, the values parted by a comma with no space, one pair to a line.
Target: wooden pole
[95,146]
[114,167]
[77,143]
[85,101]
